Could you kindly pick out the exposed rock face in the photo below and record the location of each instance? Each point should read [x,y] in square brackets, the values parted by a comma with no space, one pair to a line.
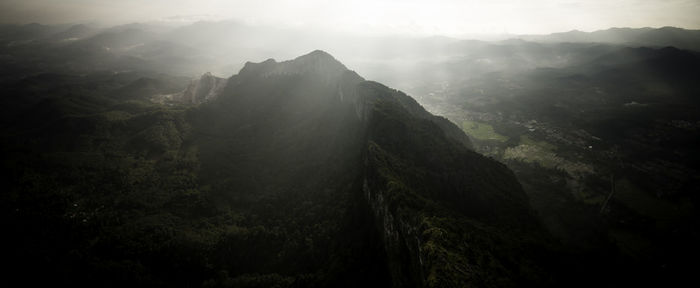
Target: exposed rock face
[436,202]
[201,90]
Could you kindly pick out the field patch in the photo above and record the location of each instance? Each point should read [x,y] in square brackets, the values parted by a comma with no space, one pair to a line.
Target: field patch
[482,131]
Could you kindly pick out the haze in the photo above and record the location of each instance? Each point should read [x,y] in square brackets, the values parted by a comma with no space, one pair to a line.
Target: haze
[406,17]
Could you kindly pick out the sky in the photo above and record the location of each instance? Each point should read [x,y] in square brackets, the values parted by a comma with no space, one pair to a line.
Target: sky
[405,17]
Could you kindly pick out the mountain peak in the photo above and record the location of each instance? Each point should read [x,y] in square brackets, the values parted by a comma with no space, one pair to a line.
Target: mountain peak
[319,59]
[318,55]
[317,62]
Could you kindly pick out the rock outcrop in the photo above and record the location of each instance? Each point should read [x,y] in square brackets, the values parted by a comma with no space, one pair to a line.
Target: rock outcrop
[201,90]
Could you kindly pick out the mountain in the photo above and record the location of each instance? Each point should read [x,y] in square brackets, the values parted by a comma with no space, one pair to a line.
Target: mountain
[637,37]
[298,173]
[201,90]
[11,34]
[360,139]
[75,32]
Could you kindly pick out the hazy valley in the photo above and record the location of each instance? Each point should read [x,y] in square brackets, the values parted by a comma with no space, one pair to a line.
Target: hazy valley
[220,154]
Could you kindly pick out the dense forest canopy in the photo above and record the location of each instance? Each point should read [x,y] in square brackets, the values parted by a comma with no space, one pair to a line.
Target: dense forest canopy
[241,154]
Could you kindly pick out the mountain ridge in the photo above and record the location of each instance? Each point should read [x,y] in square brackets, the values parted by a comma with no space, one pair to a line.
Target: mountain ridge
[351,176]
[649,37]
[411,170]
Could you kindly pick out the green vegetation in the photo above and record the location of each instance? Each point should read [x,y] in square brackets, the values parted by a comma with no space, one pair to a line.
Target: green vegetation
[632,243]
[278,186]
[543,153]
[661,210]
[108,191]
[482,131]
[544,145]
[460,241]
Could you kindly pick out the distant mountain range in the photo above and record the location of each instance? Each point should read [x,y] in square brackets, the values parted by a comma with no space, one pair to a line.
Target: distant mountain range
[223,47]
[648,37]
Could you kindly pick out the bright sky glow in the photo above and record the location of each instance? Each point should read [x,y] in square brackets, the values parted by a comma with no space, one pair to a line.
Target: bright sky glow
[408,17]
